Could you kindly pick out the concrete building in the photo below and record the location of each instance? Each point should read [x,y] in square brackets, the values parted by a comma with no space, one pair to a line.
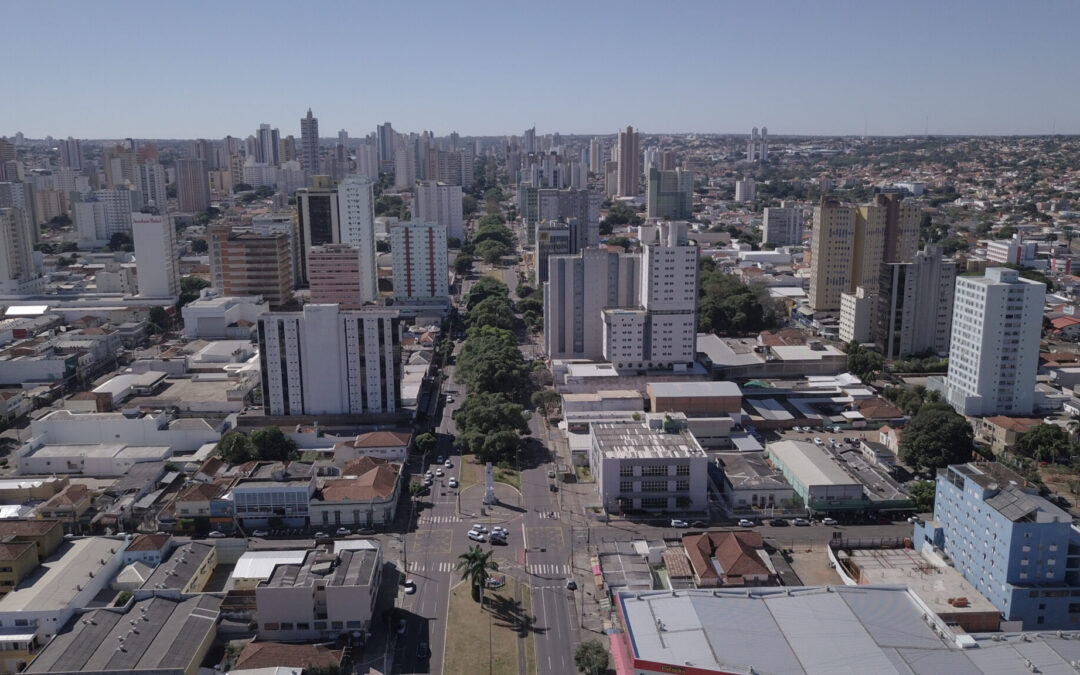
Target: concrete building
[850,244]
[695,398]
[994,346]
[745,190]
[71,153]
[640,466]
[552,238]
[334,275]
[915,305]
[327,595]
[440,203]
[317,218]
[420,258]
[572,205]
[324,361]
[365,496]
[192,185]
[818,481]
[1015,547]
[1015,251]
[248,264]
[671,194]
[356,217]
[856,316]
[152,183]
[309,144]
[18,275]
[217,317]
[783,225]
[155,256]
[629,163]
[104,213]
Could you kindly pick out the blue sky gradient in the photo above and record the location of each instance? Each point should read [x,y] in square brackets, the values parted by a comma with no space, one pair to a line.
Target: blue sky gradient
[206,69]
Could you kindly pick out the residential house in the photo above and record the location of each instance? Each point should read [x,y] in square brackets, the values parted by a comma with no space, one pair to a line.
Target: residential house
[729,558]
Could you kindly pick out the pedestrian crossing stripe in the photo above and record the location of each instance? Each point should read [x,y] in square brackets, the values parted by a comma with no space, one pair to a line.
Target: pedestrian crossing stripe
[549,514]
[549,569]
[439,519]
[417,566]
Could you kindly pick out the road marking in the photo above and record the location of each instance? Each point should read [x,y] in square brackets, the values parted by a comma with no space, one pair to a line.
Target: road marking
[549,514]
[541,569]
[425,520]
[418,566]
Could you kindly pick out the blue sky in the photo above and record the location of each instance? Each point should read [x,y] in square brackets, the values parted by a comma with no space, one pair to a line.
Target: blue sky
[205,69]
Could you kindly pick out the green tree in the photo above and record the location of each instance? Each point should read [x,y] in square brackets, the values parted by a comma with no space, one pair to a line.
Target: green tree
[1044,443]
[482,289]
[545,401]
[241,187]
[922,493]
[935,438]
[271,444]
[190,287]
[864,363]
[463,264]
[159,319]
[121,241]
[492,311]
[590,658]
[489,425]
[425,442]
[469,206]
[416,488]
[382,246]
[491,361]
[235,448]
[492,251]
[199,246]
[474,565]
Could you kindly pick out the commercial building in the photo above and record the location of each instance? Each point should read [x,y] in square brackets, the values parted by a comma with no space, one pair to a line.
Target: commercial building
[356,219]
[324,361]
[629,163]
[641,466]
[192,185]
[745,190]
[419,257]
[317,215]
[994,347]
[671,194]
[88,459]
[275,492]
[17,273]
[818,480]
[309,143]
[1018,549]
[329,594]
[365,496]
[850,244]
[155,256]
[440,203]
[915,305]
[187,569]
[248,264]
[220,317]
[104,213]
[695,398]
[783,225]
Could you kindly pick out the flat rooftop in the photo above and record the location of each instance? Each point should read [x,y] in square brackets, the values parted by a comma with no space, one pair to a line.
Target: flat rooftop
[53,585]
[636,441]
[354,567]
[261,564]
[694,389]
[838,629]
[102,450]
[749,469]
[812,464]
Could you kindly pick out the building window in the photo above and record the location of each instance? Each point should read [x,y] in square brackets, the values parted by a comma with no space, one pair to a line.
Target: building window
[682,469]
[654,470]
[626,486]
[320,625]
[303,626]
[286,625]
[271,626]
[625,471]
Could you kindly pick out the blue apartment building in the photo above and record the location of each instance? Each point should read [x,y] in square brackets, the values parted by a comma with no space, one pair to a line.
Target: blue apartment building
[1017,548]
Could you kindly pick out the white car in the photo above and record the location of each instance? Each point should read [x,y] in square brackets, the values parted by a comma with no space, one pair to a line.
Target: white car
[477,527]
[743,522]
[679,523]
[818,441]
[439,473]
[343,532]
[429,475]
[501,531]
[477,536]
[410,587]
[829,521]
[453,482]
[214,534]
[260,533]
[448,464]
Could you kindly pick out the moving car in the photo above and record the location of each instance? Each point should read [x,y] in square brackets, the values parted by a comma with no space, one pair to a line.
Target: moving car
[439,459]
[571,584]
[551,474]
[679,523]
[439,472]
[479,528]
[321,535]
[343,532]
[829,521]
[260,533]
[743,522]
[448,464]
[214,534]
[779,522]
[453,482]
[500,530]
[477,536]
[801,522]
[410,586]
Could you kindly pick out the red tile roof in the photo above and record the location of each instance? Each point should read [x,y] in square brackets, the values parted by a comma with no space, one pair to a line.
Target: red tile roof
[274,654]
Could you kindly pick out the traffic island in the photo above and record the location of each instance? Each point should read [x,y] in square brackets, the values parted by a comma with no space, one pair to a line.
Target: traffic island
[493,638]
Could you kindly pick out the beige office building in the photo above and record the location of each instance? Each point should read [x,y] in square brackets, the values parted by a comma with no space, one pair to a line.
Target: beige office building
[244,263]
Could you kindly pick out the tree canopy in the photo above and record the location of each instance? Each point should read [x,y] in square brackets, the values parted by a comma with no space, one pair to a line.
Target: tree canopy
[590,658]
[474,565]
[490,361]
[491,251]
[862,362]
[271,444]
[1045,443]
[489,426]
[492,311]
[729,307]
[936,437]
[482,289]
[463,264]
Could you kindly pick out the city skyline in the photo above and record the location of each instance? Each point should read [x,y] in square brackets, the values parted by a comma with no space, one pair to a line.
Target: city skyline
[964,68]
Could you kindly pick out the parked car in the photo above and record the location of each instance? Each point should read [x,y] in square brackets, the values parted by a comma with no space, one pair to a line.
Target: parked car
[260,533]
[571,584]
[410,586]
[801,522]
[779,522]
[913,519]
[551,473]
[829,521]
[743,522]
[321,535]
[818,441]
[553,487]
[214,534]
[343,532]
[679,523]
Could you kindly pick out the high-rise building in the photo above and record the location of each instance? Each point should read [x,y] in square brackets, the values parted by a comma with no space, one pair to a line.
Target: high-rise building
[440,203]
[757,148]
[71,154]
[267,145]
[104,213]
[528,141]
[287,152]
[572,204]
[850,243]
[17,273]
[290,177]
[994,346]
[121,167]
[745,190]
[671,194]
[367,161]
[309,141]
[419,261]
[596,155]
[23,196]
[325,361]
[783,225]
[192,185]
[334,275]
[915,305]
[552,238]
[385,142]
[152,184]
[356,219]
[629,163]
[282,222]
[155,256]
[245,263]
[667,160]
[317,213]
[405,165]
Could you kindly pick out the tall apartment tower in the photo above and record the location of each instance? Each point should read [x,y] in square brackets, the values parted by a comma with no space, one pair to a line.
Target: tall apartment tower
[267,145]
[783,225]
[405,164]
[356,220]
[671,194]
[994,348]
[309,142]
[192,185]
[596,155]
[385,142]
[757,148]
[317,216]
[745,190]
[850,243]
[915,305]
[17,273]
[152,184]
[334,275]
[629,163]
[528,141]
[440,203]
[104,213]
[121,167]
[325,361]
[71,154]
[367,161]
[155,256]
[420,261]
[245,263]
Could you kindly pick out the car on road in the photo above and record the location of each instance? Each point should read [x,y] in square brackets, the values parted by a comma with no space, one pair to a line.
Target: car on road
[429,475]
[439,459]
[498,529]
[453,482]
[743,522]
[497,538]
[911,519]
[477,536]
[410,586]
[779,522]
[428,481]
[448,464]
[818,441]
[449,398]
[553,487]
[477,527]
[343,532]
[551,474]
[829,521]
[321,535]
[699,523]
[439,472]
[571,585]
[260,533]
[422,651]
[679,523]
[214,534]
[801,522]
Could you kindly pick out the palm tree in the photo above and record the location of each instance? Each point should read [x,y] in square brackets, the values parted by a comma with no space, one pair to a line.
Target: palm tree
[474,565]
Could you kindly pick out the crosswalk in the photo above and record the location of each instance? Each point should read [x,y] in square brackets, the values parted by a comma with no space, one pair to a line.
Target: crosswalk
[549,514]
[419,566]
[424,520]
[549,570]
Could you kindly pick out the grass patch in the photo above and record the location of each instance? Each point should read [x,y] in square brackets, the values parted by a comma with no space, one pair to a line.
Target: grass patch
[469,472]
[310,456]
[470,648]
[508,476]
[530,643]
[583,474]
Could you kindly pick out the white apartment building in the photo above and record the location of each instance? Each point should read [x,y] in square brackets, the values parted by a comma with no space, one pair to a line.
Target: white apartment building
[915,305]
[783,225]
[745,190]
[994,349]
[419,257]
[1014,250]
[152,184]
[155,256]
[629,163]
[103,214]
[324,361]
[17,273]
[215,317]
[440,203]
[856,316]
[356,220]
[367,160]
[259,174]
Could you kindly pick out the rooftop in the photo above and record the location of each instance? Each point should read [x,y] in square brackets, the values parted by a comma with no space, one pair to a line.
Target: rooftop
[810,463]
[275,654]
[636,441]
[261,564]
[693,389]
[178,569]
[55,583]
[354,567]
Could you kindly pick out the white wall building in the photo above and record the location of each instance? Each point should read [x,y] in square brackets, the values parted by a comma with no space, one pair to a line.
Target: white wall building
[103,214]
[17,273]
[856,316]
[153,181]
[745,190]
[419,257]
[783,225]
[323,361]
[155,256]
[356,220]
[218,317]
[440,203]
[994,349]
[63,427]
